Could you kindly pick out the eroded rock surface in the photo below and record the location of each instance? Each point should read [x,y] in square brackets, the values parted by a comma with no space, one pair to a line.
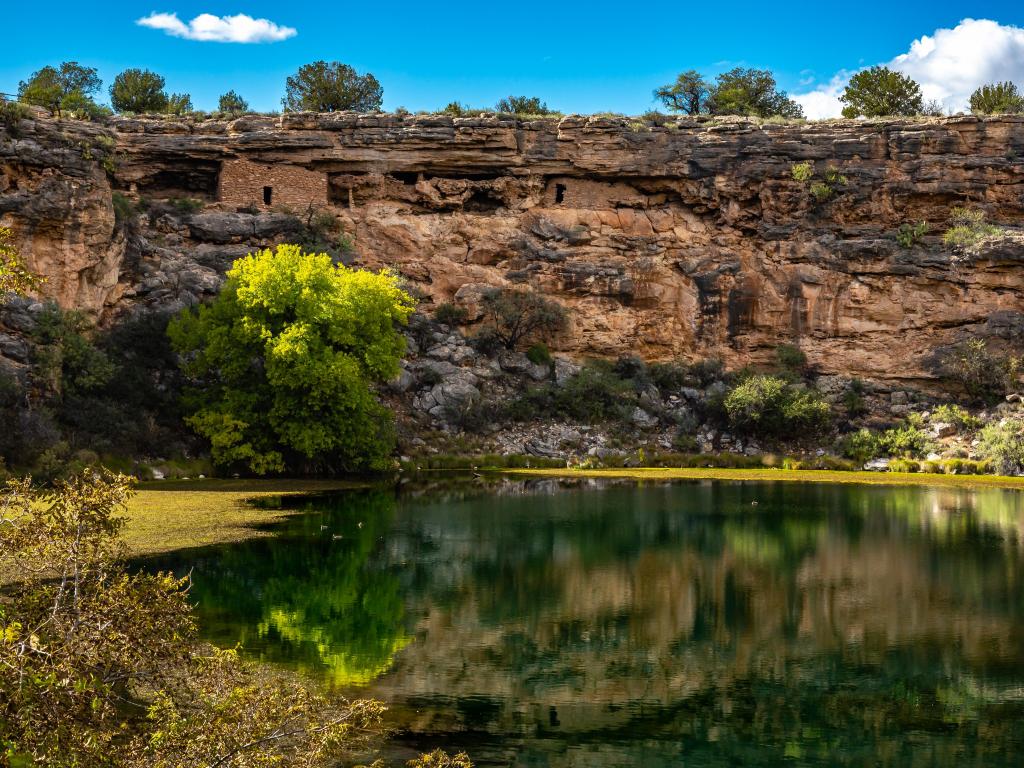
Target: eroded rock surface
[689,239]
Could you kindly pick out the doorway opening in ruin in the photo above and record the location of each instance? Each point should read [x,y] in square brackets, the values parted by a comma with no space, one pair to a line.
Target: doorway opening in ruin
[268,195]
[559,193]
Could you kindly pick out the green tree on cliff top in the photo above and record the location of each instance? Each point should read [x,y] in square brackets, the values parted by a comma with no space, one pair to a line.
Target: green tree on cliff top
[739,91]
[331,87]
[997,99]
[880,91]
[283,360]
[67,88]
[139,91]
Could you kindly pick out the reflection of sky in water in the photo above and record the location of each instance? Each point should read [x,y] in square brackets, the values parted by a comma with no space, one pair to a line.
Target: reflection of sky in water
[543,625]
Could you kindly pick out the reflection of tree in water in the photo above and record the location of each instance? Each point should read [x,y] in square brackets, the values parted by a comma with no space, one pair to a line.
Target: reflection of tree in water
[309,597]
[660,625]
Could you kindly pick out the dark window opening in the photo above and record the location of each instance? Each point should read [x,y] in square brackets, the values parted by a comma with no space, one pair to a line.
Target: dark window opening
[481,201]
[559,193]
[268,195]
[406,177]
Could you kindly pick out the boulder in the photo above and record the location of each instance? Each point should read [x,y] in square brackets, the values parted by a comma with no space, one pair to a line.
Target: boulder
[643,419]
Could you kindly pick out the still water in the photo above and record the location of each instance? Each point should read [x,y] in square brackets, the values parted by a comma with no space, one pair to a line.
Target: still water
[688,624]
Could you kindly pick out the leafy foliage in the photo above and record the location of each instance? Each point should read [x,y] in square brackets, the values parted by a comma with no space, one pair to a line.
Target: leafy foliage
[67,88]
[880,91]
[997,99]
[283,359]
[688,94]
[967,228]
[15,277]
[523,105]
[596,393]
[771,406]
[450,314]
[907,441]
[515,316]
[803,172]
[139,91]
[861,446]
[956,415]
[907,235]
[750,92]
[331,87]
[1003,444]
[983,376]
[179,104]
[101,667]
[232,103]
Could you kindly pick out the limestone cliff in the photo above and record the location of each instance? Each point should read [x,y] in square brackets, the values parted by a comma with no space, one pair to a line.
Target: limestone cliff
[687,238]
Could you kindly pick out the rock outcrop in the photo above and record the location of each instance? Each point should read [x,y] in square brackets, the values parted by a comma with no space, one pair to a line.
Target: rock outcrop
[687,238]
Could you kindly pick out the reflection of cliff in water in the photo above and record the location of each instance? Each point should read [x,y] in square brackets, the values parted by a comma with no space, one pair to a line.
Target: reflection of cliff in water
[824,618]
[540,624]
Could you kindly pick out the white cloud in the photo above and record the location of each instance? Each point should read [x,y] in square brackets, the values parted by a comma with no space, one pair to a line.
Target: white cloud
[948,64]
[219,29]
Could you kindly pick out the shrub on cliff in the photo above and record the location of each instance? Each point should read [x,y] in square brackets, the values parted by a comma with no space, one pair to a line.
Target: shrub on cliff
[67,88]
[968,227]
[139,91]
[523,105]
[513,316]
[983,375]
[282,363]
[770,406]
[879,92]
[1003,445]
[997,99]
[331,87]
[233,104]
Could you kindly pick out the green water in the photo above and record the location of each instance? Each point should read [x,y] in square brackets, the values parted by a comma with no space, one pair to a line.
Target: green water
[542,624]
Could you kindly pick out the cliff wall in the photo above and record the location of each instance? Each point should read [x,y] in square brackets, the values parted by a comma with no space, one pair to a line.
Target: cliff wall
[689,238]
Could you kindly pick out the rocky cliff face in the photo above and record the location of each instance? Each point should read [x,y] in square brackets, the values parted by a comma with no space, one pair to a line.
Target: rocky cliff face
[690,238]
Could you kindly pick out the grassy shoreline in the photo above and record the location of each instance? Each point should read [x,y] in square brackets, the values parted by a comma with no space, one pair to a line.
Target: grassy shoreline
[180,514]
[784,475]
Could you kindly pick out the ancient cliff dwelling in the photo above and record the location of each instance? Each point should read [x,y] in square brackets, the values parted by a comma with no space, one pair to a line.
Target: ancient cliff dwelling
[690,238]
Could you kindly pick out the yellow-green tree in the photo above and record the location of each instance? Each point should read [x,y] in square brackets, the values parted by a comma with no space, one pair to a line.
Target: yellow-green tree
[15,277]
[282,363]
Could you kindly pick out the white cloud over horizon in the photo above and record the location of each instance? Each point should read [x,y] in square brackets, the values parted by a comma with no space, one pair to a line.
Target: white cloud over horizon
[949,65]
[206,27]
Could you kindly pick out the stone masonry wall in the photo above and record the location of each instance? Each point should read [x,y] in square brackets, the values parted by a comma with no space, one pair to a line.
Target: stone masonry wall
[244,183]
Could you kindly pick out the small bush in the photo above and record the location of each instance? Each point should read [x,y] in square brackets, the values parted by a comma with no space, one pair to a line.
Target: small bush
[908,235]
[668,376]
[802,172]
[124,209]
[11,115]
[904,465]
[907,441]
[861,446]
[984,376]
[1002,445]
[834,178]
[791,358]
[707,371]
[539,354]
[595,394]
[968,228]
[957,416]
[771,406]
[821,191]
[448,313]
[853,399]
[186,205]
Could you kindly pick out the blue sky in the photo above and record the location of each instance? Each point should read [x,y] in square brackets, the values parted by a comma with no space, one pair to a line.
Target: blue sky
[577,56]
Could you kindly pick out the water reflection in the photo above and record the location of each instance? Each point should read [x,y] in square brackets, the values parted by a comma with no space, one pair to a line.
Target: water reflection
[536,624]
